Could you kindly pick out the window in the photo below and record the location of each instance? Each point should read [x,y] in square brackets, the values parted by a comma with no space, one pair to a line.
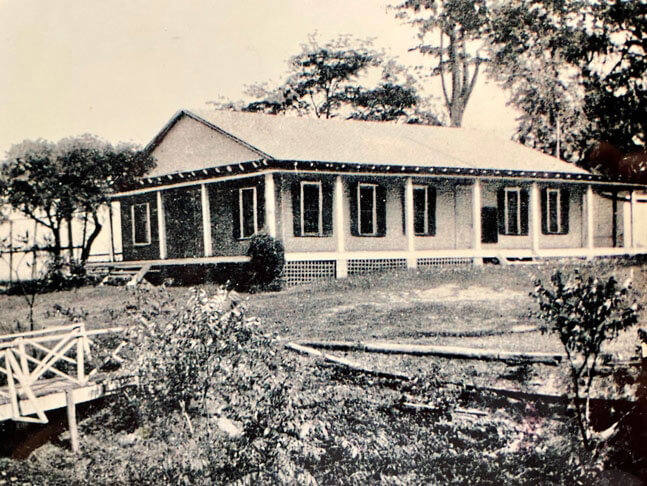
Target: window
[311,208]
[367,209]
[141,223]
[247,211]
[554,211]
[424,210]
[512,211]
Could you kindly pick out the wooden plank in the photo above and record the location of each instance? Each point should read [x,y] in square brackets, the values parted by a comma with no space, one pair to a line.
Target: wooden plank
[443,351]
[71,420]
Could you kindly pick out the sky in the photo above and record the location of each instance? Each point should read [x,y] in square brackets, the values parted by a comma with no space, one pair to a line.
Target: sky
[120,69]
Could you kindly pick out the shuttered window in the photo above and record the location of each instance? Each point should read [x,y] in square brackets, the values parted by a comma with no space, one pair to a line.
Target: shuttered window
[141,224]
[367,209]
[367,204]
[513,211]
[554,211]
[311,208]
[424,210]
[247,210]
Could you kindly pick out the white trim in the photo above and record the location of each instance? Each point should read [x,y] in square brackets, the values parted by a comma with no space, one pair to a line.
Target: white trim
[241,213]
[476,215]
[558,212]
[341,266]
[589,218]
[632,219]
[359,208]
[148,224]
[506,210]
[423,174]
[270,204]
[161,224]
[206,220]
[319,231]
[535,216]
[410,220]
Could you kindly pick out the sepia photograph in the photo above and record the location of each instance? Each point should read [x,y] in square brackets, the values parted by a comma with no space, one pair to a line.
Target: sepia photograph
[342,242]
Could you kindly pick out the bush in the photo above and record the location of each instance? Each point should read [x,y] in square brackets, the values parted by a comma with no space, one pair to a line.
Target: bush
[267,261]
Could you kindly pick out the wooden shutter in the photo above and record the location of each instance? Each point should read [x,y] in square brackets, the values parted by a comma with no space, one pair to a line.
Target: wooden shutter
[544,210]
[380,210]
[352,188]
[524,200]
[327,207]
[565,197]
[403,202]
[235,212]
[296,208]
[500,197]
[431,211]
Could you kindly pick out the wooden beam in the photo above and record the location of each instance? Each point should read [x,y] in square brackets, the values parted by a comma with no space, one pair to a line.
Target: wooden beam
[589,218]
[206,220]
[412,261]
[161,225]
[270,205]
[71,420]
[339,228]
[476,219]
[535,220]
[633,219]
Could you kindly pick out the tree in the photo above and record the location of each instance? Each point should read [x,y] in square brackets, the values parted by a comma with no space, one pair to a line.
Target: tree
[576,69]
[585,312]
[53,183]
[330,80]
[457,25]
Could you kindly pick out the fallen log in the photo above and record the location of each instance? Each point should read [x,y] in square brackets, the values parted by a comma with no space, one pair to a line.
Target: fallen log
[483,354]
[345,362]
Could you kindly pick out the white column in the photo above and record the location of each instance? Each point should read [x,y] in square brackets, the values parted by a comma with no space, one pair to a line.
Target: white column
[408,212]
[161,225]
[476,220]
[632,219]
[340,228]
[535,217]
[270,205]
[589,217]
[206,220]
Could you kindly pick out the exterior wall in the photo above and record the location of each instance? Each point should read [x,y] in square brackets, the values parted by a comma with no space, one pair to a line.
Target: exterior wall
[575,238]
[602,222]
[221,198]
[489,199]
[183,211]
[191,145]
[130,250]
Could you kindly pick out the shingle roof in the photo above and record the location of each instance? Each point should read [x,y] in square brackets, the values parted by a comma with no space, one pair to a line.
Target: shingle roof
[342,141]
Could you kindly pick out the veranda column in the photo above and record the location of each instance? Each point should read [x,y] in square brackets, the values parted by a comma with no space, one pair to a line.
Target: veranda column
[340,228]
[161,224]
[206,220]
[476,221]
[534,217]
[270,205]
[633,219]
[589,219]
[411,236]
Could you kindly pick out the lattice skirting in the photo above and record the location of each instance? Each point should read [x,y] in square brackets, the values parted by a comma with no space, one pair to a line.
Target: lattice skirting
[364,266]
[443,261]
[295,273]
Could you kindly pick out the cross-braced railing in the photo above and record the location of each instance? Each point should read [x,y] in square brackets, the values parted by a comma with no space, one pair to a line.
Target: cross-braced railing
[29,359]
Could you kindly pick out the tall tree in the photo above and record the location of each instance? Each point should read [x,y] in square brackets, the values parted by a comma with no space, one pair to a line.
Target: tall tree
[337,79]
[52,183]
[449,30]
[576,69]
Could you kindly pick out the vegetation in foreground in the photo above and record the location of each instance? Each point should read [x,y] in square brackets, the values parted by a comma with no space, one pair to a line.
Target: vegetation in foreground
[219,402]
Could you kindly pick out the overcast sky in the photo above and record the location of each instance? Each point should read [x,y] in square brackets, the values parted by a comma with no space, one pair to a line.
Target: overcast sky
[121,68]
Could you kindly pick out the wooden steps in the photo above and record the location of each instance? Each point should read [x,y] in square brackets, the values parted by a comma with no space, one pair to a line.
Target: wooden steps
[129,275]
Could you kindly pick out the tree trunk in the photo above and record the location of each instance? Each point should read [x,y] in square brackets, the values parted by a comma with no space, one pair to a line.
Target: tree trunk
[87,246]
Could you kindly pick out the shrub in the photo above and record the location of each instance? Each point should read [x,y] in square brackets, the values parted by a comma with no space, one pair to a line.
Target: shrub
[267,261]
[585,311]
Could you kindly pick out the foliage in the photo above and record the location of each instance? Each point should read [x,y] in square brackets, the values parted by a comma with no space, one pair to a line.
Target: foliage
[585,311]
[267,261]
[458,25]
[576,70]
[53,183]
[329,80]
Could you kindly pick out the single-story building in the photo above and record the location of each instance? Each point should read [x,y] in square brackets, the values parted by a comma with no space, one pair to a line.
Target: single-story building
[346,197]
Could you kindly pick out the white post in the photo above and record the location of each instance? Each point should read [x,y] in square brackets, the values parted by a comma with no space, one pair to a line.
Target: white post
[476,221]
[340,228]
[633,219]
[535,222]
[411,236]
[206,220]
[589,218]
[270,205]
[161,225]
